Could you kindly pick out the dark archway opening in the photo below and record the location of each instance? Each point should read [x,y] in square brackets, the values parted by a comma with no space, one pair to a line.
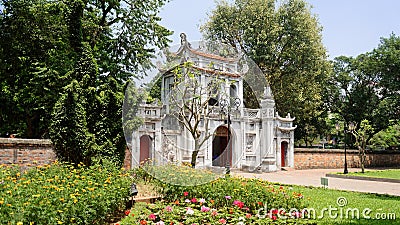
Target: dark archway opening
[221,150]
[284,152]
[145,145]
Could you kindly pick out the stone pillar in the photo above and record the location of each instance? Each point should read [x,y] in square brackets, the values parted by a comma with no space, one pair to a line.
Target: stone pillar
[267,131]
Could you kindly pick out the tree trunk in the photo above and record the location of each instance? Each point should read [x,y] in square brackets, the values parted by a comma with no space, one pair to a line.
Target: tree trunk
[195,153]
[362,156]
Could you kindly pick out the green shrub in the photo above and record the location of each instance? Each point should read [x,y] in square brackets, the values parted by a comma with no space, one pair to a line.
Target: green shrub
[254,192]
[61,194]
[229,200]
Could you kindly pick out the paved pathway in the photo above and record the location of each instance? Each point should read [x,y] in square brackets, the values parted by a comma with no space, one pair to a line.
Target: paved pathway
[313,178]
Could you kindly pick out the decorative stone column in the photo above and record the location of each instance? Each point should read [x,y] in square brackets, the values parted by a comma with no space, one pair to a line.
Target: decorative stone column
[267,160]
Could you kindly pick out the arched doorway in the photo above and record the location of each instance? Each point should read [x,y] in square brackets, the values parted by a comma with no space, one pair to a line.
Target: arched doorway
[221,147]
[284,152]
[145,145]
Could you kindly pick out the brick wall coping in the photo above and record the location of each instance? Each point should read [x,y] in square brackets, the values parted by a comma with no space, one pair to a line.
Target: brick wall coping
[351,151]
[22,141]
[319,150]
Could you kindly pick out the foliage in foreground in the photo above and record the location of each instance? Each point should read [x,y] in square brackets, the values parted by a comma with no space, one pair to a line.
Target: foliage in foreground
[200,211]
[224,200]
[61,194]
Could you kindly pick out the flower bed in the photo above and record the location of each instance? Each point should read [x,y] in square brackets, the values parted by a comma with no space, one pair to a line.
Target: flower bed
[225,200]
[61,194]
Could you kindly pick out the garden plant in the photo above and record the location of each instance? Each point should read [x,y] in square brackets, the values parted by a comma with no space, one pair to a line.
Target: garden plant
[226,200]
[62,194]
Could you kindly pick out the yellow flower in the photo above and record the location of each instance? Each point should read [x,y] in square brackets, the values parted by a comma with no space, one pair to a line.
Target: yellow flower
[75,200]
[20,223]
[59,222]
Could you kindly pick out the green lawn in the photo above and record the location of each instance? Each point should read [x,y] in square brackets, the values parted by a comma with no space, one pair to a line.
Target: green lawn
[379,205]
[391,174]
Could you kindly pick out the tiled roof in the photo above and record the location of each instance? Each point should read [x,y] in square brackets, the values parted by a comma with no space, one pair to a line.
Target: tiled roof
[208,55]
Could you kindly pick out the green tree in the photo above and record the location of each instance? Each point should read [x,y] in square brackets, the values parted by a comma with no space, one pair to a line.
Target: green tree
[188,102]
[362,87]
[284,40]
[34,56]
[388,138]
[362,135]
[39,45]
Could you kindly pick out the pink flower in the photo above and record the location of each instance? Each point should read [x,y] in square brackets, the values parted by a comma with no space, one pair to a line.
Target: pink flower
[214,212]
[187,201]
[222,221]
[205,209]
[168,208]
[248,215]
[152,216]
[194,200]
[238,203]
[185,193]
[228,197]
[160,222]
[202,200]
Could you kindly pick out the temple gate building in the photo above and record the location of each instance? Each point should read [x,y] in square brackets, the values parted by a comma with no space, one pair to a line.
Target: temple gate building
[257,139]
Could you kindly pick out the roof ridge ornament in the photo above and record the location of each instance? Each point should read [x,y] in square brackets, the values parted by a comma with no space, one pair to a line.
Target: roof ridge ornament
[184,40]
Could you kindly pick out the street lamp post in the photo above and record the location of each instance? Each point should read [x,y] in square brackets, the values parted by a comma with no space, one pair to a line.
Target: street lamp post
[345,171]
[227,107]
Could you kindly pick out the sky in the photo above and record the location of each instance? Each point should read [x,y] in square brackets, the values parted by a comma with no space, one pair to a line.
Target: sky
[350,27]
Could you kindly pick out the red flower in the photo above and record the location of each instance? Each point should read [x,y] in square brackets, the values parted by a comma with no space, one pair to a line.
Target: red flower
[222,220]
[248,215]
[238,203]
[185,193]
[260,203]
[274,218]
[127,212]
[152,216]
[275,211]
[194,200]
[143,222]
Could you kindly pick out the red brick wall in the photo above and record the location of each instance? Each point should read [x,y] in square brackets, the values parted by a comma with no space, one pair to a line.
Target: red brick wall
[334,158]
[26,152]
[128,159]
